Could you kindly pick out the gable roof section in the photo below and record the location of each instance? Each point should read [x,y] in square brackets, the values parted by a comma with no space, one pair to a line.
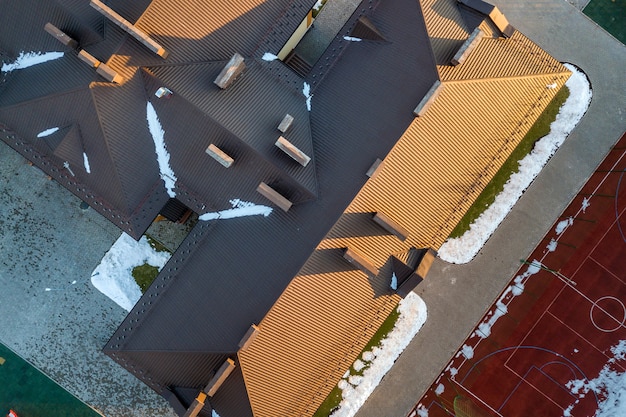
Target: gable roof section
[516,56]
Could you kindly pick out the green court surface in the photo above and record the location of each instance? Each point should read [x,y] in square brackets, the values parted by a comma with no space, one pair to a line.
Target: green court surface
[611,15]
[30,393]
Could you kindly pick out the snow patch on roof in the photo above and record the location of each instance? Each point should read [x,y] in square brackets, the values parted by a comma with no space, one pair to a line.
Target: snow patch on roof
[394,281]
[306,90]
[86,163]
[413,315]
[240,209]
[113,276]
[163,157]
[352,39]
[269,57]
[47,132]
[463,249]
[28,59]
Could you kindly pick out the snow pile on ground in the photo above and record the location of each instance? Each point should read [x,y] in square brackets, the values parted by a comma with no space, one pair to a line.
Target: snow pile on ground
[609,384]
[463,249]
[378,361]
[163,157]
[240,209]
[28,59]
[113,276]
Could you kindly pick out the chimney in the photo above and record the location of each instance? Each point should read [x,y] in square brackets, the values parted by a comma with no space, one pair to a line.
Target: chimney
[219,155]
[273,195]
[291,150]
[233,68]
[428,99]
[60,36]
[468,46]
[285,124]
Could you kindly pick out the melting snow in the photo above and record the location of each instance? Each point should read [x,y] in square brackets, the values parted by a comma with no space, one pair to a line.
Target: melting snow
[28,59]
[412,316]
[551,86]
[585,204]
[47,132]
[240,209]
[439,390]
[214,414]
[422,411]
[552,245]
[113,276]
[463,249]
[352,39]
[467,351]
[563,224]
[86,163]
[269,57]
[610,385]
[163,157]
[514,290]
[306,90]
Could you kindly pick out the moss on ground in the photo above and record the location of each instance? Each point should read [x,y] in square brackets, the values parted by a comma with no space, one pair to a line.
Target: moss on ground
[144,276]
[540,129]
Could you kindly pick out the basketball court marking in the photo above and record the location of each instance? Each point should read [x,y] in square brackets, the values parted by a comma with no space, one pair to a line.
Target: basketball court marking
[528,364]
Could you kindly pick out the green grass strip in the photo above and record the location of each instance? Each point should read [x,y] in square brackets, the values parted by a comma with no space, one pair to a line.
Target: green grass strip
[610,15]
[540,129]
[29,392]
[144,276]
[334,398]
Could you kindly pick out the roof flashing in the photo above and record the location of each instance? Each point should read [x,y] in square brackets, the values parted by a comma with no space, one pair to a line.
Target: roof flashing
[428,99]
[468,46]
[220,376]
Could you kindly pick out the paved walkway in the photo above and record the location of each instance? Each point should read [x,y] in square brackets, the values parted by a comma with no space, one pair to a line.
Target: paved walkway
[458,295]
[47,241]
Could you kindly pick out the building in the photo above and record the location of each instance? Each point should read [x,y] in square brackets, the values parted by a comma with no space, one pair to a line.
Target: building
[388,141]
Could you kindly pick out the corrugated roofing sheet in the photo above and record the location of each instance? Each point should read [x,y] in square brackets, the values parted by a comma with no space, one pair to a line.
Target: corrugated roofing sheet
[503,57]
[251,110]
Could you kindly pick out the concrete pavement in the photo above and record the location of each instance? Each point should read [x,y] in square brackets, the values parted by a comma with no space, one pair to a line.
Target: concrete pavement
[48,241]
[458,295]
